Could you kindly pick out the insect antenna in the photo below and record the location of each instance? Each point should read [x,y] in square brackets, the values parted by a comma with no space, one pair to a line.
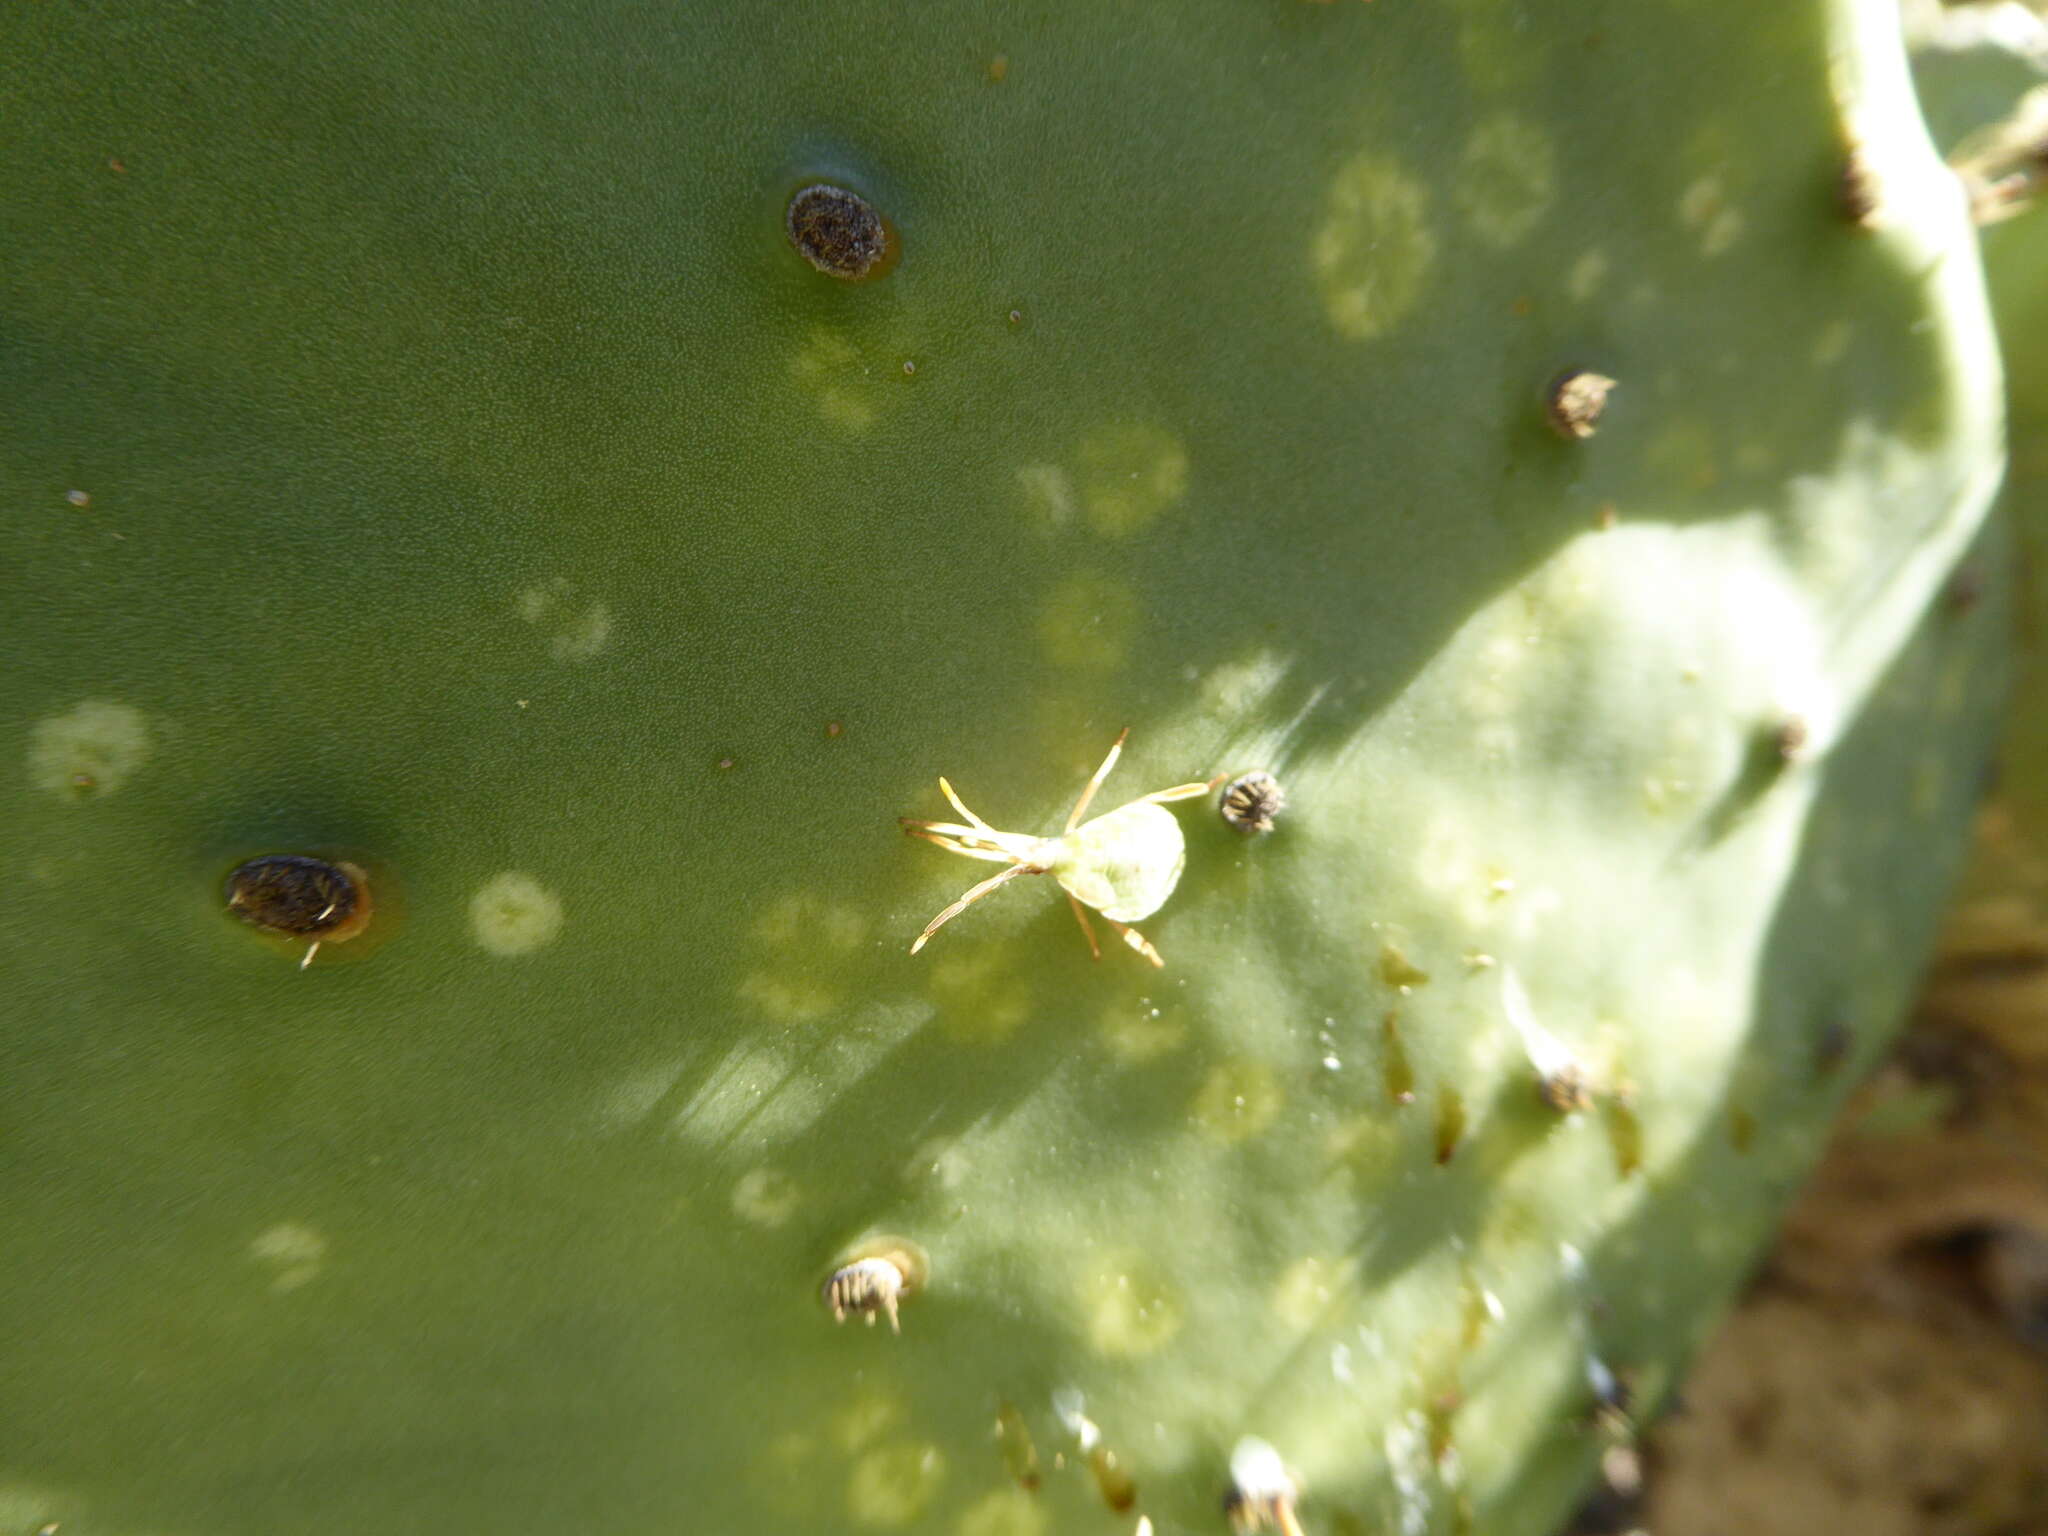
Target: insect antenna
[973,820]
[957,839]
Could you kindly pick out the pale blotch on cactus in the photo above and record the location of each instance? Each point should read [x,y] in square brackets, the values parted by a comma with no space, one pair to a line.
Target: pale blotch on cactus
[513,914]
[294,1254]
[1374,249]
[981,994]
[576,627]
[1005,1512]
[1127,474]
[1047,491]
[93,748]
[1507,178]
[1087,623]
[893,1484]
[766,1197]
[830,368]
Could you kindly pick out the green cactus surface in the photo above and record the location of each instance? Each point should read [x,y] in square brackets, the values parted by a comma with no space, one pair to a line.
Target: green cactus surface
[425,451]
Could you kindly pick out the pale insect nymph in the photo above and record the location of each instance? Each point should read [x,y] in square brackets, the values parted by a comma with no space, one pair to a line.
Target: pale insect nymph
[866,1287]
[874,1278]
[1124,863]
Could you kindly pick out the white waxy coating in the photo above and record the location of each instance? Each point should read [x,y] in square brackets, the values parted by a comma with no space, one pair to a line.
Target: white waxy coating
[1124,864]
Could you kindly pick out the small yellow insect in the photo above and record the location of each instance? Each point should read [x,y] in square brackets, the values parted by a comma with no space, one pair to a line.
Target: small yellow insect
[1123,864]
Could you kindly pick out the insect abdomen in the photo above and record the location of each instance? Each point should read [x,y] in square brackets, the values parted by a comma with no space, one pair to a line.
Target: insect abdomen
[1124,864]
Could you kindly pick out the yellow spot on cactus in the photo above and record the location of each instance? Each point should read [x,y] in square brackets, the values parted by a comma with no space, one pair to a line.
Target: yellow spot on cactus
[894,1484]
[1048,493]
[1141,1031]
[1235,689]
[1129,473]
[513,914]
[809,922]
[980,995]
[1498,50]
[1364,1146]
[830,368]
[1507,179]
[1588,276]
[1006,1512]
[576,628]
[941,1160]
[1305,1289]
[1832,344]
[766,1197]
[1086,623]
[787,999]
[1132,1308]
[1237,1100]
[802,924]
[864,1419]
[1697,203]
[91,749]
[1722,231]
[293,1253]
[1704,208]
[1373,252]
[1662,796]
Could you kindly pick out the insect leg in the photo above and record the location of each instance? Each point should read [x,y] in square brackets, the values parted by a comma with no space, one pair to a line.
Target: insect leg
[1088,792]
[1184,791]
[1081,914]
[968,900]
[1136,940]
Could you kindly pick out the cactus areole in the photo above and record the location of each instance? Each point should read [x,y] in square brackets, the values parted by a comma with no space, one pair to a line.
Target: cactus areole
[577,472]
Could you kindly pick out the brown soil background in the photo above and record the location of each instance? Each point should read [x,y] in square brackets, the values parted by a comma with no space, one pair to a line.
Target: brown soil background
[1887,1372]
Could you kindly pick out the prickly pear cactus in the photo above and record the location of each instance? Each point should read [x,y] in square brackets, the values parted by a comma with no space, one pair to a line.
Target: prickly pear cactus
[1982,71]
[1535,436]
